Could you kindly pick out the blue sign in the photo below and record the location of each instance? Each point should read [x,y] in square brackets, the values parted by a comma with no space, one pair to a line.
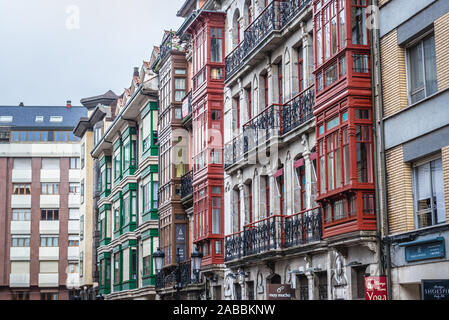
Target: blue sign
[422,250]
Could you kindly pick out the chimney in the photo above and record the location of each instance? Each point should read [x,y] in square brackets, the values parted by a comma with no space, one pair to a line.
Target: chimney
[21,104]
[136,72]
[69,104]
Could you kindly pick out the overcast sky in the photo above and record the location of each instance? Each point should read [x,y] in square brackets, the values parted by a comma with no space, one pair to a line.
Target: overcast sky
[57,50]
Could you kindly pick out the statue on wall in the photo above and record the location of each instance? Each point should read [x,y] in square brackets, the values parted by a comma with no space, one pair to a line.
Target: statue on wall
[339,280]
[260,288]
[228,286]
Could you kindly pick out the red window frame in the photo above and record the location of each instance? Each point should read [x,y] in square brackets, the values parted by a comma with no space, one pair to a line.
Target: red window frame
[280,88]
[265,81]
[267,195]
[250,202]
[300,70]
[248,92]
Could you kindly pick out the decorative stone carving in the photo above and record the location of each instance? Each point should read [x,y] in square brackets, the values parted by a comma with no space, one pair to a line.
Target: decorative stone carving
[259,286]
[339,279]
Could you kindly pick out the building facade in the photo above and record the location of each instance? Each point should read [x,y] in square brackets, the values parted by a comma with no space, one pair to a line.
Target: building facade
[127,222]
[40,202]
[90,130]
[413,161]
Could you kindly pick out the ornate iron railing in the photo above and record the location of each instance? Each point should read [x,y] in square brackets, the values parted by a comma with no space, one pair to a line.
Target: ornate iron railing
[264,126]
[298,110]
[235,149]
[302,228]
[172,276]
[276,120]
[186,184]
[274,17]
[275,232]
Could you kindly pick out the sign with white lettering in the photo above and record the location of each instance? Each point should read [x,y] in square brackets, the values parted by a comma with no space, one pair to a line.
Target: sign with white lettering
[376,288]
[435,289]
[429,250]
[279,292]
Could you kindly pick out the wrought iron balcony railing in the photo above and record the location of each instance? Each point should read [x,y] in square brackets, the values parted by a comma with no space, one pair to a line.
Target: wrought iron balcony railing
[275,120]
[186,184]
[263,126]
[298,110]
[274,232]
[169,278]
[235,149]
[274,17]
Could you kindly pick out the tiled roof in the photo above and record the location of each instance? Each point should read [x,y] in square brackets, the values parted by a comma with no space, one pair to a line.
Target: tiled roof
[25,117]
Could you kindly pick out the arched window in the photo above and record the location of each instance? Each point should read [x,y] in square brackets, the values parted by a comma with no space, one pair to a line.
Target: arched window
[247,12]
[236,29]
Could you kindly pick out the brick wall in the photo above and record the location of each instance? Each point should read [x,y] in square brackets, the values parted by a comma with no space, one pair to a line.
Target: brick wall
[394,82]
[445,160]
[399,192]
[441,28]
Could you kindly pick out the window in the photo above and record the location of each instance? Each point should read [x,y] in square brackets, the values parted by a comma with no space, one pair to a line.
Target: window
[83,151]
[216,215]
[74,241]
[117,162]
[359,30]
[74,214]
[39,119]
[98,132]
[21,189]
[361,63]
[73,267]
[49,296]
[216,45]
[74,188]
[21,214]
[421,69]
[50,214]
[155,194]
[82,191]
[22,164]
[428,189]
[364,154]
[20,295]
[180,88]
[117,267]
[49,188]
[20,242]
[75,163]
[49,241]
[50,163]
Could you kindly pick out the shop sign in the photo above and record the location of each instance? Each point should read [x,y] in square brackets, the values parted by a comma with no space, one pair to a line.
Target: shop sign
[376,288]
[279,292]
[426,250]
[435,289]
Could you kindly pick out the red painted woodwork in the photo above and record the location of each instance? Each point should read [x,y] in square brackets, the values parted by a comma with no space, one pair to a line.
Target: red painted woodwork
[207,126]
[343,112]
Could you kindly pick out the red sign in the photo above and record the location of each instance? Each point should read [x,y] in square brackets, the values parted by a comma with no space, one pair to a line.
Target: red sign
[376,288]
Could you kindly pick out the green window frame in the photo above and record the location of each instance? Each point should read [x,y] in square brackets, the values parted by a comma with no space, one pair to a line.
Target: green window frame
[105,176]
[129,204]
[149,116]
[117,160]
[129,151]
[149,190]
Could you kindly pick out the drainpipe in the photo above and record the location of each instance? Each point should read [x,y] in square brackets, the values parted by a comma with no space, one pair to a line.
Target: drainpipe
[382,230]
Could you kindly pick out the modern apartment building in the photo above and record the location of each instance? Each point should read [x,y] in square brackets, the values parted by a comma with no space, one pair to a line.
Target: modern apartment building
[413,147]
[40,202]
[90,129]
[128,182]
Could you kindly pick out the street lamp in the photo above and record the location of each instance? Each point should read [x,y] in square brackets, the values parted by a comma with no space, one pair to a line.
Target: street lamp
[158,258]
[196,256]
